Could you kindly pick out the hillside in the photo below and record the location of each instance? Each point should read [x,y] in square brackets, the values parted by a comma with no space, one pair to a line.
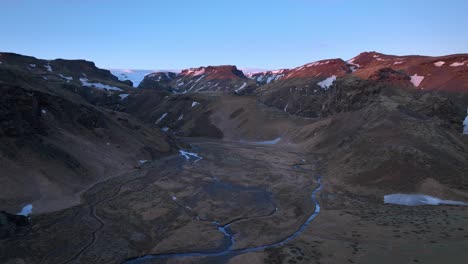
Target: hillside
[57,138]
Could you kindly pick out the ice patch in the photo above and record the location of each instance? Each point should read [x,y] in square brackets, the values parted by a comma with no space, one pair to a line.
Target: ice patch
[416,80]
[195,104]
[188,155]
[439,63]
[325,84]
[417,199]
[123,96]
[161,118]
[27,210]
[85,82]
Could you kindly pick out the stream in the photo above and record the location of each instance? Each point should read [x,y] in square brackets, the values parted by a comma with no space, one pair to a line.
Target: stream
[228,233]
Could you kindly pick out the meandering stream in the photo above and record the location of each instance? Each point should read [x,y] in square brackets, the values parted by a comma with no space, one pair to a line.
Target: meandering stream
[229,236]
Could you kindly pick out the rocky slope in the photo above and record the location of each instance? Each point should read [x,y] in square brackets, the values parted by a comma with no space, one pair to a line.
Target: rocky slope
[57,137]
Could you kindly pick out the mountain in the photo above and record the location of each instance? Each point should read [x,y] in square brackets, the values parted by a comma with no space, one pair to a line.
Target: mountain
[444,73]
[266,77]
[211,78]
[195,162]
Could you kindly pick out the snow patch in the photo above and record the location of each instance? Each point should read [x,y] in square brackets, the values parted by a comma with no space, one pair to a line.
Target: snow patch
[161,118]
[286,108]
[203,76]
[325,84]
[242,87]
[32,65]
[417,199]
[123,96]
[465,125]
[439,63]
[195,72]
[164,129]
[457,64]
[416,80]
[268,142]
[180,117]
[189,155]
[142,162]
[66,78]
[195,103]
[85,82]
[135,76]
[48,67]
[27,210]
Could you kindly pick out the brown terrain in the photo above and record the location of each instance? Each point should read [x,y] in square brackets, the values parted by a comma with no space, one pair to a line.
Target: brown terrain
[248,194]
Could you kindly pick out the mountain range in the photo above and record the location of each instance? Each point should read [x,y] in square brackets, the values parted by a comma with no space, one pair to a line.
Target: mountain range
[134,163]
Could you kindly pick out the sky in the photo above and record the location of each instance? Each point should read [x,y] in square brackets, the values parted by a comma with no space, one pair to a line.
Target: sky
[265,34]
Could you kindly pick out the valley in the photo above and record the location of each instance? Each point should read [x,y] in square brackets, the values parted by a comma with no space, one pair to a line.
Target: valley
[291,167]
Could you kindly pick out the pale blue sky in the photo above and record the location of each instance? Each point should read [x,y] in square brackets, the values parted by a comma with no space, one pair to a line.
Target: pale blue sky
[247,33]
